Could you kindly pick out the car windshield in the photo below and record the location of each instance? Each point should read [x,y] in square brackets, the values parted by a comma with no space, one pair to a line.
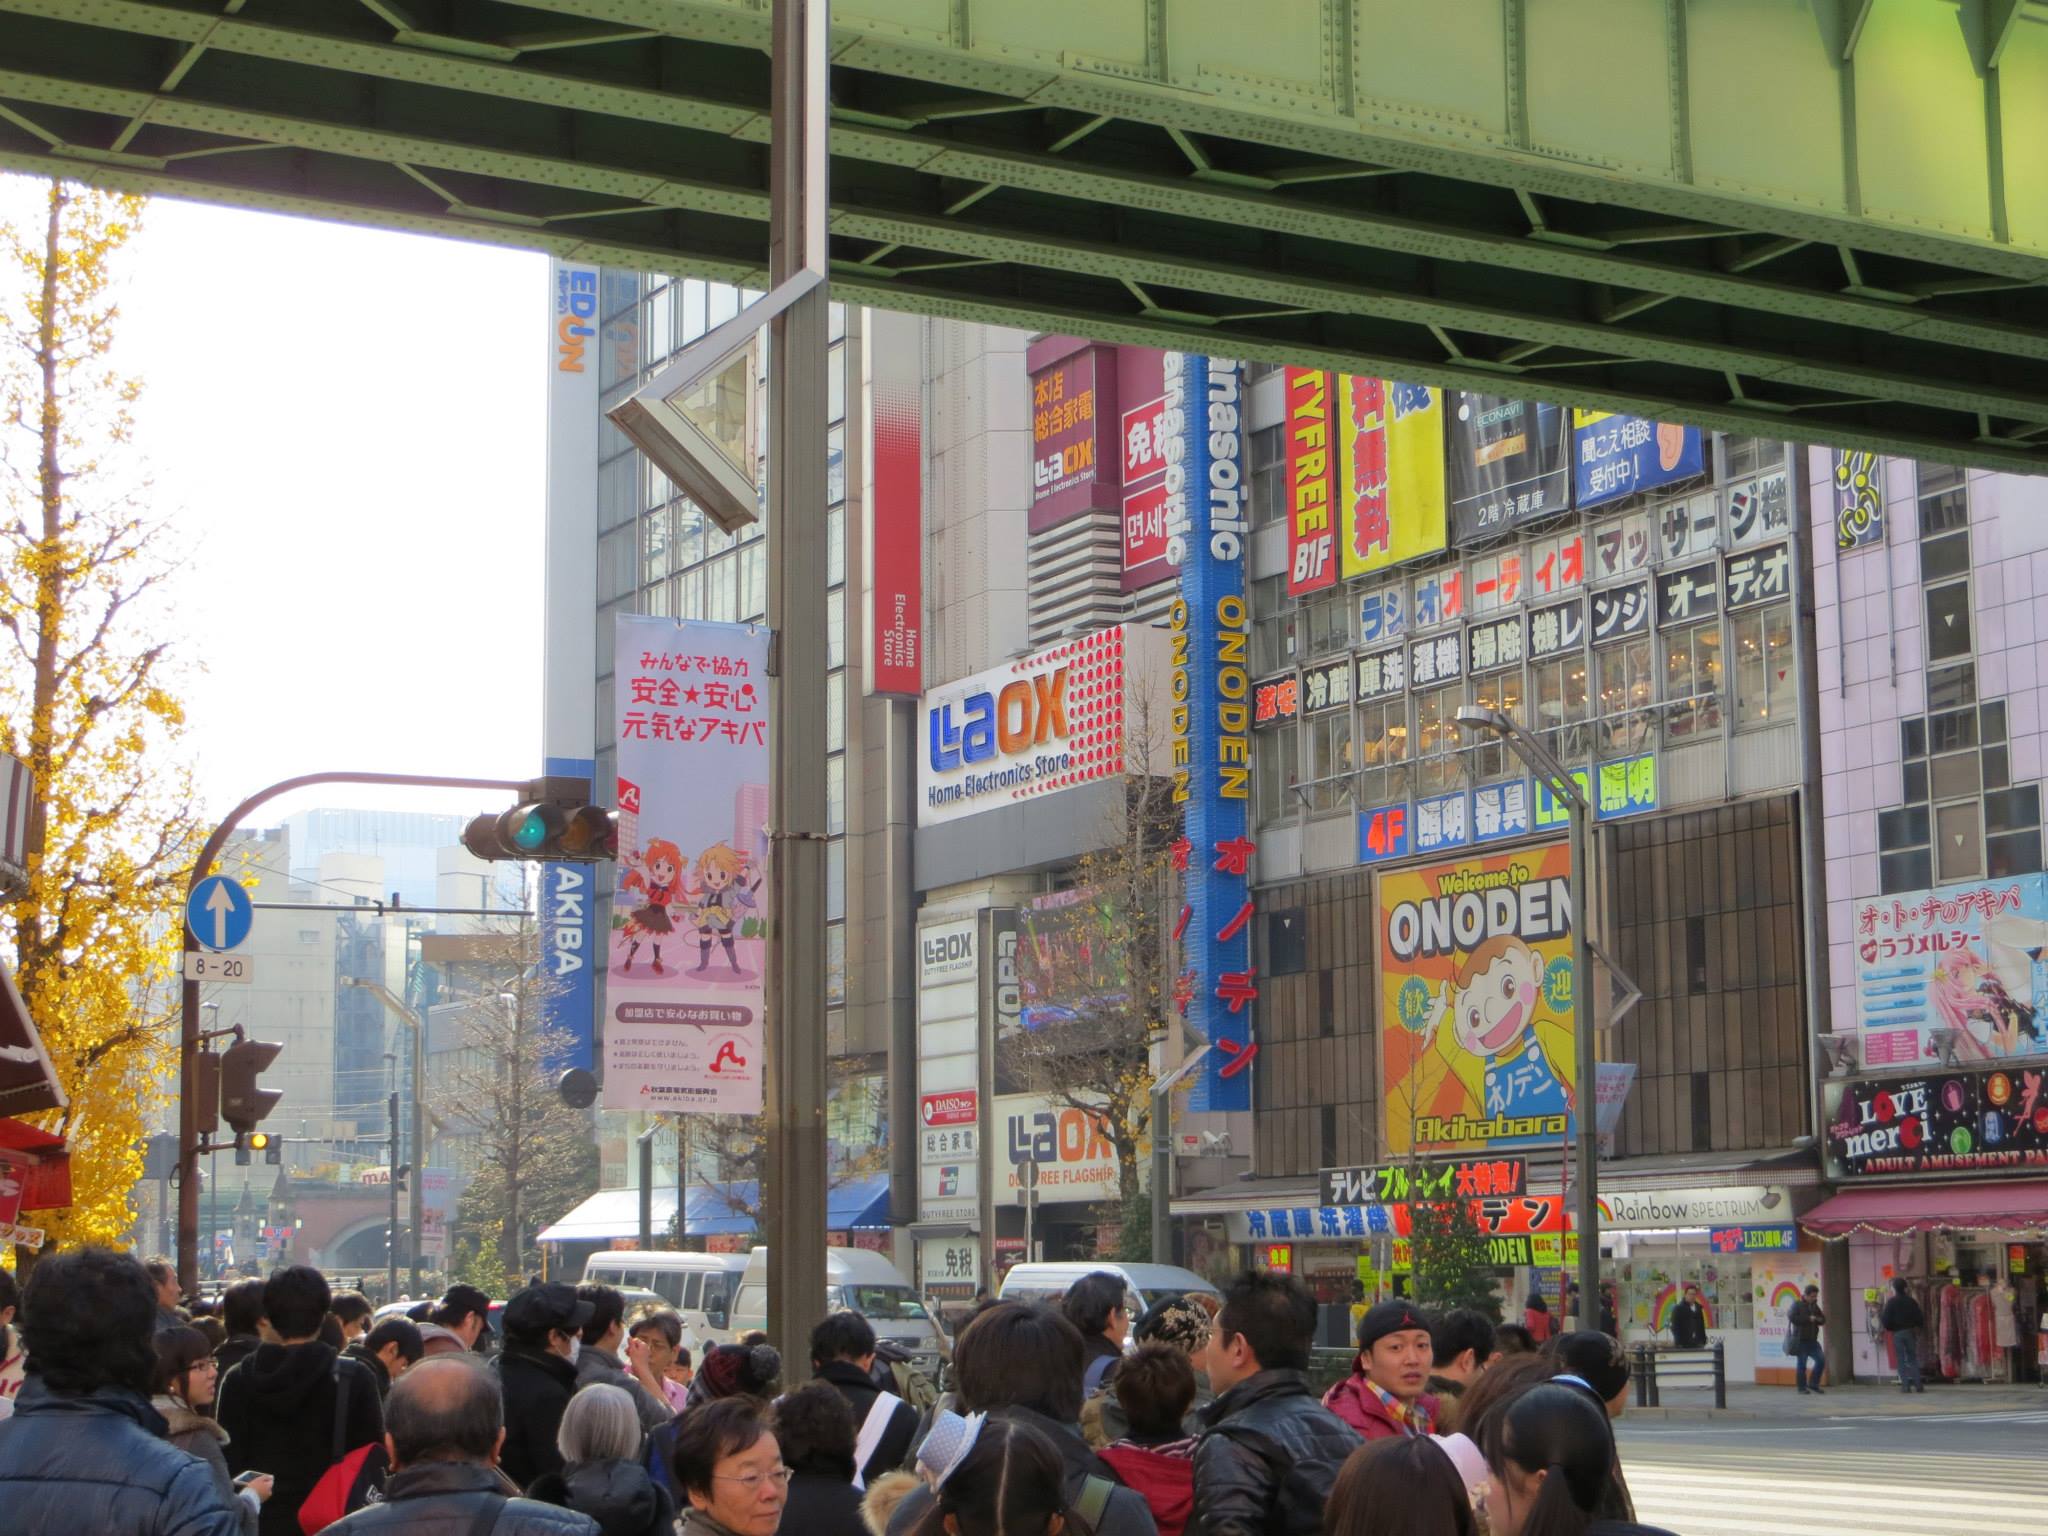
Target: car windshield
[881,1303]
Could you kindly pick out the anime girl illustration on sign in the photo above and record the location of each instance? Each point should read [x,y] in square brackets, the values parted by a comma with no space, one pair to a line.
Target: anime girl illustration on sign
[1476,1043]
[726,883]
[656,875]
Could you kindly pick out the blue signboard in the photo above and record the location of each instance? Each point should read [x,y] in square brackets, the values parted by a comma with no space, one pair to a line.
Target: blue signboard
[219,912]
[1615,456]
[1206,527]
[1383,833]
[568,941]
[1442,821]
[1501,811]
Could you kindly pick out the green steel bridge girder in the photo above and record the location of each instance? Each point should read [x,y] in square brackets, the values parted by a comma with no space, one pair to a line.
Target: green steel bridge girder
[1825,219]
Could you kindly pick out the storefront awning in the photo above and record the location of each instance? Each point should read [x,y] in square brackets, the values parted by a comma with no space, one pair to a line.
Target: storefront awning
[1899,1209]
[713,1210]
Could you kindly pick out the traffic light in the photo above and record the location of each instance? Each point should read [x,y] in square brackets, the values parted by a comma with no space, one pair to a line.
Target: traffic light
[258,1141]
[398,1177]
[205,1093]
[555,822]
[242,1104]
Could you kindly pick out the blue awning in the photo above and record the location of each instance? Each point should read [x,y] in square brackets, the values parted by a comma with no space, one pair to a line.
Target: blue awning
[860,1205]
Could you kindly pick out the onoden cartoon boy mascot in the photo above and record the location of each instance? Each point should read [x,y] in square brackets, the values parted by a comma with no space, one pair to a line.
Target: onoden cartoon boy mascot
[1506,1061]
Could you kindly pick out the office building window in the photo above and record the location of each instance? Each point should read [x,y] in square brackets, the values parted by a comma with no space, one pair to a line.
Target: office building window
[1330,760]
[1275,633]
[1276,755]
[1766,684]
[1383,751]
[1692,681]
[1558,694]
[1436,739]
[1266,462]
[1624,684]
[1502,691]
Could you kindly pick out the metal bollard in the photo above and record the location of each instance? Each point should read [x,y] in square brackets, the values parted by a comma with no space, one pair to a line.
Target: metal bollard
[1642,1373]
[1720,1374]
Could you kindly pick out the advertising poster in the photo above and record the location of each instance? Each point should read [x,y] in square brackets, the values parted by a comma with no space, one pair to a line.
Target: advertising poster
[1777,1282]
[1476,1003]
[1615,456]
[893,553]
[1951,1122]
[1071,984]
[689,919]
[1507,464]
[1141,386]
[1071,1146]
[1073,412]
[949,1069]
[1953,975]
[1390,473]
[1216,990]
[1311,483]
[1859,499]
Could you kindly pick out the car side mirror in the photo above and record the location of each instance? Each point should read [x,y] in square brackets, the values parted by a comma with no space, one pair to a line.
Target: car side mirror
[715,1316]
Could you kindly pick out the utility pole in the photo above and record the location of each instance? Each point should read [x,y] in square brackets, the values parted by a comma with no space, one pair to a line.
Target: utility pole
[794,1188]
[416,1202]
[189,1032]
[391,1244]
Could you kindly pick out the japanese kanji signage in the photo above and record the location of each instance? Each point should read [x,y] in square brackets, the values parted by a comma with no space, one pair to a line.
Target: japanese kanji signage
[1390,473]
[1383,613]
[1758,576]
[1495,644]
[1615,456]
[1622,545]
[1501,811]
[1216,988]
[1143,449]
[1311,482]
[1621,611]
[1277,700]
[1326,685]
[1507,464]
[1398,1183]
[1032,727]
[1760,510]
[1435,661]
[1557,629]
[1859,499]
[684,1032]
[1382,674]
[1442,821]
[1689,595]
[1073,411]
[1439,598]
[1953,974]
[1383,833]
[1476,1007]
[1624,787]
[1984,1121]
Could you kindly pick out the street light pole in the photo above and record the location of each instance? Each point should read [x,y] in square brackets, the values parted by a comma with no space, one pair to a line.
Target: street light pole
[416,1199]
[1162,1155]
[1578,816]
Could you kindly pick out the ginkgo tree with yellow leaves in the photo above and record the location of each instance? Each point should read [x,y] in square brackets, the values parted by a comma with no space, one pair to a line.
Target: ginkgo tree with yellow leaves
[85,696]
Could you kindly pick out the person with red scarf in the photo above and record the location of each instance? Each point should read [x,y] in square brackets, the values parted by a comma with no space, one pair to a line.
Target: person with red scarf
[1384,1397]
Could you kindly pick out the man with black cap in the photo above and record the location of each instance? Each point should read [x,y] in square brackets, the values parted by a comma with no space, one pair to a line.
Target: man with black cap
[537,1372]
[1385,1397]
[457,1323]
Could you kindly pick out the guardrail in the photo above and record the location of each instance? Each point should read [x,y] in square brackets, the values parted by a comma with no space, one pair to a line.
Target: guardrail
[1652,1365]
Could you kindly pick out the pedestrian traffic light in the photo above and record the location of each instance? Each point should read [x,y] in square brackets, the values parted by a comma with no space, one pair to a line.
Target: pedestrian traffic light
[554,822]
[242,1104]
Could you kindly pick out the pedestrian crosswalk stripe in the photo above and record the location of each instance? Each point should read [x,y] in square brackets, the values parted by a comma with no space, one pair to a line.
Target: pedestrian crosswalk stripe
[1728,1490]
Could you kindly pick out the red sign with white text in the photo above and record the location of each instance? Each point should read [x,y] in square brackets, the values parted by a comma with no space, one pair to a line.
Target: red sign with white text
[895,543]
[955,1108]
[1145,526]
[1311,483]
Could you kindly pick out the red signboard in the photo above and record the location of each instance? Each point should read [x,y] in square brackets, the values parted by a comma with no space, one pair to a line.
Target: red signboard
[1280,1258]
[1073,462]
[955,1108]
[1144,441]
[895,542]
[1311,483]
[1145,526]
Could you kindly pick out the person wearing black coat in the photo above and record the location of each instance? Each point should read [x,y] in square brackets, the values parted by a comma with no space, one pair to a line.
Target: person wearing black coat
[843,1355]
[815,1430]
[1903,1320]
[1689,1321]
[1270,1452]
[537,1375]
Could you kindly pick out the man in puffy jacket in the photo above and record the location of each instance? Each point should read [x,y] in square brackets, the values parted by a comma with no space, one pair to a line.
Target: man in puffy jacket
[843,1356]
[84,1450]
[447,1426]
[1903,1320]
[1386,1395]
[1270,1452]
[1803,1323]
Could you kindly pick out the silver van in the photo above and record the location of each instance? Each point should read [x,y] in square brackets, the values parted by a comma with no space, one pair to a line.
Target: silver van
[856,1280]
[1143,1283]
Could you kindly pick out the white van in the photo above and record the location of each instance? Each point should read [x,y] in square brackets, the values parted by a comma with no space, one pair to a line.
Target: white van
[856,1280]
[1143,1283]
[699,1286]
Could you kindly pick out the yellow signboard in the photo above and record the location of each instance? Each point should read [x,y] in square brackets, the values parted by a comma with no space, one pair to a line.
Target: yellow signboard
[1390,473]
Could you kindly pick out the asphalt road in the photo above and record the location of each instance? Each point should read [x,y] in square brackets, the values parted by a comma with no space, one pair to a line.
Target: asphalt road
[1952,1473]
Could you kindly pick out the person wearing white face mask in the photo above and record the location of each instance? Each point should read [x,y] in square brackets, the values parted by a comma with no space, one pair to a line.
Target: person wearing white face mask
[537,1372]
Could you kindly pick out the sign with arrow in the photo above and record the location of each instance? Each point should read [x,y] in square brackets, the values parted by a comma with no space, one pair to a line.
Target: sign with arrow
[219,913]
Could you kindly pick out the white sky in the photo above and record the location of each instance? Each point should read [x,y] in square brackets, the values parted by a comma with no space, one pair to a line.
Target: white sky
[346,428]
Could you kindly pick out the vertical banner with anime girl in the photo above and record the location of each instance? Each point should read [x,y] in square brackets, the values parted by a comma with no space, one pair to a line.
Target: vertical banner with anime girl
[1476,1042]
[687,948]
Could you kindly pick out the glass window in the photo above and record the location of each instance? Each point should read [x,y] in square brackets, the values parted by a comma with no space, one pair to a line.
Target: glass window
[1959,841]
[1952,687]
[1950,730]
[835,712]
[689,534]
[720,598]
[1276,755]
[1328,624]
[1692,681]
[753,582]
[1912,871]
[835,964]
[1330,760]
[835,794]
[615,555]
[657,331]
[722,302]
[1274,633]
[1992,720]
[835,465]
[1502,691]
[1948,621]
[1558,698]
[1956,776]
[1747,455]
[1944,557]
[689,595]
[1624,683]
[1766,685]
[835,627]
[835,879]
[835,547]
[835,384]
[617,483]
[835,322]
[656,552]
[2013,810]
[1383,751]
[1904,828]
[618,352]
[1266,462]
[1436,739]
[619,290]
[2017,853]
[1997,768]
[693,308]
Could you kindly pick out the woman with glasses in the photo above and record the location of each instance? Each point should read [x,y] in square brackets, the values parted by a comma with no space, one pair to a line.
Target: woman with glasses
[186,1376]
[729,1466]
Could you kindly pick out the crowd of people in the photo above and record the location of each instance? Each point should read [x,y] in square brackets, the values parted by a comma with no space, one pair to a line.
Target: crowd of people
[288,1410]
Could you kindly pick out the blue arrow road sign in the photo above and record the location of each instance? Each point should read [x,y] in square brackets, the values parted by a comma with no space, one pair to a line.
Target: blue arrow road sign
[219,912]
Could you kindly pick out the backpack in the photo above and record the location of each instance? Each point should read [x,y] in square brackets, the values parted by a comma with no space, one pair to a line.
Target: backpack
[1302,1486]
[351,1480]
[911,1384]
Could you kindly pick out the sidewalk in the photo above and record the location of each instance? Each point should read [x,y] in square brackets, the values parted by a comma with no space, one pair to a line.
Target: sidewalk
[1872,1400]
